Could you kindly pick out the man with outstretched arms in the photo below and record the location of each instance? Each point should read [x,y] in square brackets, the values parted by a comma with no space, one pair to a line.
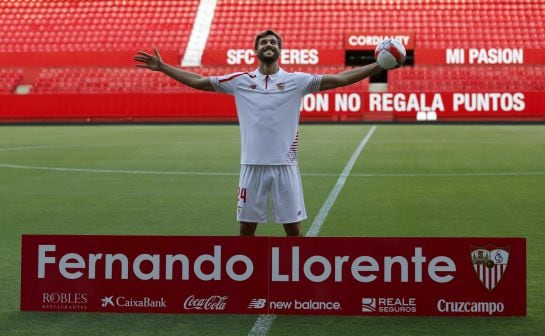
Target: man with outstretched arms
[268,100]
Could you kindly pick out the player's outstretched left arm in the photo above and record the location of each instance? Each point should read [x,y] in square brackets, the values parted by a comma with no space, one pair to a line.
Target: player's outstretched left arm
[349,76]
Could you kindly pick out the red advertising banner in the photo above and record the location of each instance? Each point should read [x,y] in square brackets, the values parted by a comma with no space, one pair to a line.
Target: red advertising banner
[462,106]
[287,57]
[317,276]
[479,56]
[445,106]
[327,106]
[370,40]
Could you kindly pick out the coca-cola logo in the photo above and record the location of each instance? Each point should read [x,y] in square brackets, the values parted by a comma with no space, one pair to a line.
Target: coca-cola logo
[214,302]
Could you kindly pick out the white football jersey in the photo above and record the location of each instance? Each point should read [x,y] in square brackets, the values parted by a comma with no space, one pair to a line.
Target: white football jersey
[268,112]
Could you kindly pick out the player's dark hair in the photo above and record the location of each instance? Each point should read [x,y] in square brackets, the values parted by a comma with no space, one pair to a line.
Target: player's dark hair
[265,33]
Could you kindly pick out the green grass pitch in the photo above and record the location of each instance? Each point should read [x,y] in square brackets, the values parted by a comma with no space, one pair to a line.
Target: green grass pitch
[410,180]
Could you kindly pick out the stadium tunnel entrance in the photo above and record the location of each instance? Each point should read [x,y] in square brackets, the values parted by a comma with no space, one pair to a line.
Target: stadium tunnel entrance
[365,57]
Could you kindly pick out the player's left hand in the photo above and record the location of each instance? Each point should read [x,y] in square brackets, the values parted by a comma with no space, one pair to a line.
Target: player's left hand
[150,62]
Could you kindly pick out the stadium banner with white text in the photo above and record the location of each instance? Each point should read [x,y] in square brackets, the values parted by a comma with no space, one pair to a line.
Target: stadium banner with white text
[478,56]
[370,40]
[327,106]
[446,106]
[303,57]
[264,275]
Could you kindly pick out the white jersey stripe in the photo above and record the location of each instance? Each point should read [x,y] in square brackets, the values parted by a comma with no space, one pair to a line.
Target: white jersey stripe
[492,277]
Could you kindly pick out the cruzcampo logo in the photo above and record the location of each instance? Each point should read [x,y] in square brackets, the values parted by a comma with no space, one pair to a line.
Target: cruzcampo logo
[490,263]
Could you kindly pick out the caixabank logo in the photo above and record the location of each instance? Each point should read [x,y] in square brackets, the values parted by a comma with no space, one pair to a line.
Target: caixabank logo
[122,301]
[490,264]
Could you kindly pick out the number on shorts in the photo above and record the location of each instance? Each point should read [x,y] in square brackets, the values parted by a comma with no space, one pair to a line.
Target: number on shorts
[242,194]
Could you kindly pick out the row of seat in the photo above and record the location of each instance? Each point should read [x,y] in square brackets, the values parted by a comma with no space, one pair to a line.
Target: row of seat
[372,6]
[75,26]
[344,4]
[80,25]
[406,15]
[10,79]
[91,47]
[420,78]
[468,78]
[508,23]
[104,80]
[91,4]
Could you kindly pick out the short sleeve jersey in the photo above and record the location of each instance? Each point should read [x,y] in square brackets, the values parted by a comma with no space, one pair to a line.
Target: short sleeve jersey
[268,112]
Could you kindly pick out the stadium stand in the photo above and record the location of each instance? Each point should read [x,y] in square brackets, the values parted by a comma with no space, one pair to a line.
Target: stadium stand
[75,26]
[123,80]
[464,78]
[437,24]
[97,30]
[10,78]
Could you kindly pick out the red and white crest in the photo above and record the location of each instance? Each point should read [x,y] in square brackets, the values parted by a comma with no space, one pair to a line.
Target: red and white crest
[489,263]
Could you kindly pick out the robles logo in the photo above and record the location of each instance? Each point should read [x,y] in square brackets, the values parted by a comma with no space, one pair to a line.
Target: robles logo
[61,301]
[64,298]
[214,302]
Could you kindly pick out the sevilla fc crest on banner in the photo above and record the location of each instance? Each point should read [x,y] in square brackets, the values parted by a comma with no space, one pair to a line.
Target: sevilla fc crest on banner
[490,264]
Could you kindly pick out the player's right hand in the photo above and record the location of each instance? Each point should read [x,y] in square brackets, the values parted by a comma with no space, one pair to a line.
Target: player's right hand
[149,61]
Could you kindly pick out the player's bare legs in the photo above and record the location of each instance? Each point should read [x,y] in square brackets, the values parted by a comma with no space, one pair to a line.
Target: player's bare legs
[293,229]
[247,228]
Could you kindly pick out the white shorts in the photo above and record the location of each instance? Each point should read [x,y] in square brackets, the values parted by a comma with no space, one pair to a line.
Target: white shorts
[282,182]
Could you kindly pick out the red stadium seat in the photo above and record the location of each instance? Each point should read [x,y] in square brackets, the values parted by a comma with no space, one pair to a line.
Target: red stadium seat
[109,26]
[76,24]
[463,78]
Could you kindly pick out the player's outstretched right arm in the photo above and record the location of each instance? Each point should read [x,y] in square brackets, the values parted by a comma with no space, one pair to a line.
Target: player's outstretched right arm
[156,63]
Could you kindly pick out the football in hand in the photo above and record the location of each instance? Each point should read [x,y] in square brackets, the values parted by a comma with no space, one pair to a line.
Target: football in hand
[390,54]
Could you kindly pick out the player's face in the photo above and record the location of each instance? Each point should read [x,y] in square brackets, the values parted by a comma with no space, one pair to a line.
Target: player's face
[267,49]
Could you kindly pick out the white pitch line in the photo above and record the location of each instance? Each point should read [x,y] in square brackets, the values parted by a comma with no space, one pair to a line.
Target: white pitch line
[324,210]
[264,322]
[448,174]
[116,171]
[197,173]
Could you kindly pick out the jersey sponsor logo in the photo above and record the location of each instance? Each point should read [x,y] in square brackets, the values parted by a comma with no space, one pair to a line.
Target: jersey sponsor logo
[490,264]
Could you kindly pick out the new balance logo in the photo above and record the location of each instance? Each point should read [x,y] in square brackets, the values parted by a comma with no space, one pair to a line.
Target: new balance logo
[257,304]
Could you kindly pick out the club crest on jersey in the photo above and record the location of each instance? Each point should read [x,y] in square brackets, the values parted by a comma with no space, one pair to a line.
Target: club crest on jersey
[489,263]
[281,86]
[253,86]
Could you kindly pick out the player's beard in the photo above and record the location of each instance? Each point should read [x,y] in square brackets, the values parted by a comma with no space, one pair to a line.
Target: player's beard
[268,59]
